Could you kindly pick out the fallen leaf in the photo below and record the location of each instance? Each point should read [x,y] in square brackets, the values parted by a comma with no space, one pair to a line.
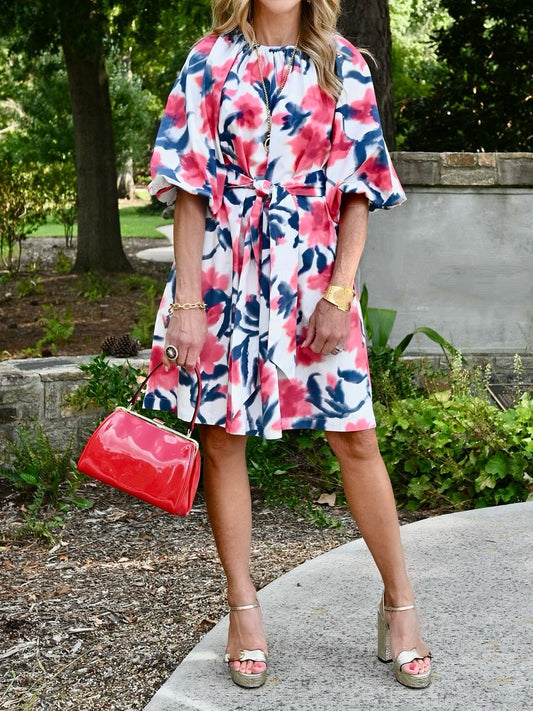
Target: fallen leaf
[117,515]
[77,630]
[328,499]
[17,648]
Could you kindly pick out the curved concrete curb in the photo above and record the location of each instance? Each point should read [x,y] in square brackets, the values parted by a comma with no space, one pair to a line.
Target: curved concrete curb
[473,572]
[165,255]
[160,254]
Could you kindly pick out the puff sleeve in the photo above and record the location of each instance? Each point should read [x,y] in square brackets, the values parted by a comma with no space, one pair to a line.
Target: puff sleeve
[184,155]
[359,161]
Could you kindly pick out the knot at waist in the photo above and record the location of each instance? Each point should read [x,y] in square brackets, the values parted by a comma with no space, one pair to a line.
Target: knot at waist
[265,189]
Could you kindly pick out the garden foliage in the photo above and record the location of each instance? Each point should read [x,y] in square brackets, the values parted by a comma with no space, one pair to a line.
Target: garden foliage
[46,476]
[475,92]
[444,450]
[23,207]
[444,443]
[108,385]
[448,447]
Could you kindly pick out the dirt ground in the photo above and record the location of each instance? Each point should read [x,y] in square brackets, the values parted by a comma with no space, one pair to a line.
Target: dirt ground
[72,295]
[99,620]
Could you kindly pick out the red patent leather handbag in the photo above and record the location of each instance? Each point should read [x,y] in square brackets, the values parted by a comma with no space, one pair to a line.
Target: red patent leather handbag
[145,458]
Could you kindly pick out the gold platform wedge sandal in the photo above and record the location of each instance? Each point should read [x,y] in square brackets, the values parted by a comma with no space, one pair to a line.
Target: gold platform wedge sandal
[249,681]
[413,681]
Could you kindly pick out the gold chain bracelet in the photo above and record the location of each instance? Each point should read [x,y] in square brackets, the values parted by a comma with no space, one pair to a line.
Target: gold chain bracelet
[177,307]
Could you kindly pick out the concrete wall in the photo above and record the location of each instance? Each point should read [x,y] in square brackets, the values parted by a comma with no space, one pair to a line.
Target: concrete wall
[458,255]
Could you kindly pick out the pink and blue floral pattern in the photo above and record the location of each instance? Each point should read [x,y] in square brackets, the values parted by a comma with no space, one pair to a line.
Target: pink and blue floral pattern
[271,232]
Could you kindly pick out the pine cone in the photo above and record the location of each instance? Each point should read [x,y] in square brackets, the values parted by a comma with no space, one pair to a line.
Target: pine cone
[109,344]
[126,346]
[123,346]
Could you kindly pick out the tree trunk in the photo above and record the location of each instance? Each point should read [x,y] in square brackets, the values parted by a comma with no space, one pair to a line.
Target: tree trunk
[99,242]
[367,26]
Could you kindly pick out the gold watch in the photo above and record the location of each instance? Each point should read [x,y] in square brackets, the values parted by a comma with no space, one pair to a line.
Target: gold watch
[340,296]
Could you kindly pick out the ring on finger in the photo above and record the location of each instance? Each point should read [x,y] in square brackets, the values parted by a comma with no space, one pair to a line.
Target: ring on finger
[171,352]
[337,349]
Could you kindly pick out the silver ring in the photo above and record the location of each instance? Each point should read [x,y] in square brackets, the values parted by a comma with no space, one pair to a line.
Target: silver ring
[337,349]
[171,352]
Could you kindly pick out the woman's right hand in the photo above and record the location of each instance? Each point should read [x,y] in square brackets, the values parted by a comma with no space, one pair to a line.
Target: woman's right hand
[187,331]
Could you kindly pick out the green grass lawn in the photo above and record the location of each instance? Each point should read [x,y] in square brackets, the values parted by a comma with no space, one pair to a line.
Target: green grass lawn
[134,222]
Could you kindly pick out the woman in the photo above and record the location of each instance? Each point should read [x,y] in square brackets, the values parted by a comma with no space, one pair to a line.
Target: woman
[271,148]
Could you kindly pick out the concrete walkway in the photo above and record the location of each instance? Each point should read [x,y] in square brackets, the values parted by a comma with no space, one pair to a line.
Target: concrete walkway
[474,575]
[160,254]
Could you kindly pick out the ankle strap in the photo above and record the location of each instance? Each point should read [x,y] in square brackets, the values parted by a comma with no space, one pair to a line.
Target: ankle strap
[389,608]
[237,608]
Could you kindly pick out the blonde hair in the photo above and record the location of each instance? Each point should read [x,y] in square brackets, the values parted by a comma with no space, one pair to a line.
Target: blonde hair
[317,31]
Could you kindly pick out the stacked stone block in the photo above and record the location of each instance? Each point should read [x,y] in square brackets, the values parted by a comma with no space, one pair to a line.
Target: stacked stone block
[465,169]
[36,388]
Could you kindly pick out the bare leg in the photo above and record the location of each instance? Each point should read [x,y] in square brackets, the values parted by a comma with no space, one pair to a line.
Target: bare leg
[227,492]
[370,498]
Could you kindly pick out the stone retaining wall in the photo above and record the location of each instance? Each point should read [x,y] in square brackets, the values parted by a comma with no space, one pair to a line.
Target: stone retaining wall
[465,169]
[36,387]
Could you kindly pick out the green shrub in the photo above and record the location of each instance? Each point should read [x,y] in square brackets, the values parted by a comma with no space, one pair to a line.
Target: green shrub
[95,286]
[450,448]
[459,450]
[394,378]
[58,328]
[293,471]
[62,263]
[62,191]
[141,282]
[28,286]
[23,207]
[107,386]
[143,328]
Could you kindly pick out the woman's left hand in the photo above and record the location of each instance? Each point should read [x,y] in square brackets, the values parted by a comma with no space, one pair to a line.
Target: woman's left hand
[328,329]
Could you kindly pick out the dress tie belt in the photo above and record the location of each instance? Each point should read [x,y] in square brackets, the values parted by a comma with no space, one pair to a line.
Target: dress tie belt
[266,269]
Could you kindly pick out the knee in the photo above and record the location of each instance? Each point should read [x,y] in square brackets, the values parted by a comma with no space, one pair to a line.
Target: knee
[218,445]
[362,445]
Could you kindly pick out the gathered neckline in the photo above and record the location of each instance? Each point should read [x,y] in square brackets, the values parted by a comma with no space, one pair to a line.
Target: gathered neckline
[273,47]
[276,46]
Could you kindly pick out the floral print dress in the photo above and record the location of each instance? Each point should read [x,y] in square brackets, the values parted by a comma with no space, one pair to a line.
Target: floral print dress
[271,232]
